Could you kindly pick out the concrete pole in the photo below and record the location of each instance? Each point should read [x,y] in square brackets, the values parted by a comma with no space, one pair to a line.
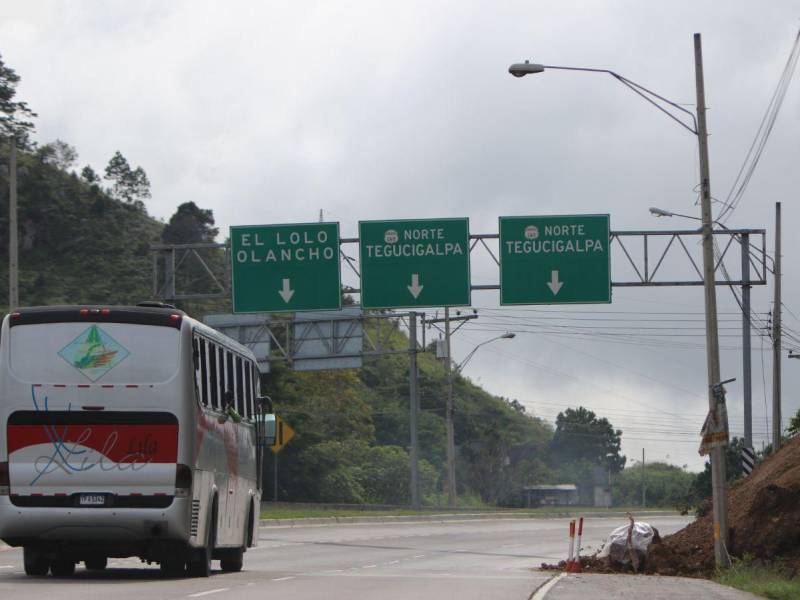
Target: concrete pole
[718,479]
[451,444]
[776,338]
[644,484]
[414,409]
[13,244]
[746,351]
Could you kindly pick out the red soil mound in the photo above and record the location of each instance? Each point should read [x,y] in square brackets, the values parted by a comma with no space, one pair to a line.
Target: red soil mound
[763,517]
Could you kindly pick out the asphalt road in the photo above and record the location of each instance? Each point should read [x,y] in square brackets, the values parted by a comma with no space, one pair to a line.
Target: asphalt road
[457,559]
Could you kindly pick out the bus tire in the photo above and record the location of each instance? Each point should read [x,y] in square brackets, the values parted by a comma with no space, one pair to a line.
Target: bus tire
[36,565]
[233,561]
[62,567]
[200,558]
[250,528]
[173,564]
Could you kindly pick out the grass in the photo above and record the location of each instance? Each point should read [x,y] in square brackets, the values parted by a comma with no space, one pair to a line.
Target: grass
[769,581]
[306,512]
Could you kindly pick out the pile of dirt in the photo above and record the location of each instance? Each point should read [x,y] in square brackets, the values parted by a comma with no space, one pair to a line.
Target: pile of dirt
[763,518]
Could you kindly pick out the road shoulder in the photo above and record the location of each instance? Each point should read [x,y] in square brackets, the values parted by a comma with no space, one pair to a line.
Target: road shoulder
[636,587]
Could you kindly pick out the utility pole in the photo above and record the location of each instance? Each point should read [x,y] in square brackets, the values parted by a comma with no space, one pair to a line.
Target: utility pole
[451,443]
[718,479]
[414,409]
[746,352]
[776,338]
[13,244]
[644,484]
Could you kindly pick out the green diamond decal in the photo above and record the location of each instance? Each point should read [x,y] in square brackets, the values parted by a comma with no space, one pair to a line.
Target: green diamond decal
[94,353]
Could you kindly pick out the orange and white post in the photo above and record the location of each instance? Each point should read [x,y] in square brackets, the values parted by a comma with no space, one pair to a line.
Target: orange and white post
[568,566]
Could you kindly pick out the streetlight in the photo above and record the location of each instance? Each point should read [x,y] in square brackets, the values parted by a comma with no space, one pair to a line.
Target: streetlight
[716,398]
[506,336]
[451,442]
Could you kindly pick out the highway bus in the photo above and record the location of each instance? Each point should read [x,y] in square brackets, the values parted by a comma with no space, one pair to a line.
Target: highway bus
[128,431]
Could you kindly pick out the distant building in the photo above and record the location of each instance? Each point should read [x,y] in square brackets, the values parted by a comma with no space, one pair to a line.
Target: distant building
[563,494]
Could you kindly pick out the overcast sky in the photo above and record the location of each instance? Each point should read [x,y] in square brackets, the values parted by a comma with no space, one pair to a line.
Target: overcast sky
[267,112]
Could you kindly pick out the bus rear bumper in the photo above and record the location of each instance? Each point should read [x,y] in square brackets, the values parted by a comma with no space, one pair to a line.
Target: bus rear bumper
[67,527]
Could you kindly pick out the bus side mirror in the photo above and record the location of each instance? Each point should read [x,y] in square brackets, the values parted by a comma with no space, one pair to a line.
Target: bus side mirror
[268,429]
[265,402]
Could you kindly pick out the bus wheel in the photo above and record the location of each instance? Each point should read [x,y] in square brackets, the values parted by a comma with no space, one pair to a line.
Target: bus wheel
[200,558]
[173,565]
[35,564]
[96,563]
[62,567]
[232,563]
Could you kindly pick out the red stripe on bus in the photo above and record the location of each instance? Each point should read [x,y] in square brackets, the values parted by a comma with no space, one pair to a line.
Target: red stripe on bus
[120,443]
[83,385]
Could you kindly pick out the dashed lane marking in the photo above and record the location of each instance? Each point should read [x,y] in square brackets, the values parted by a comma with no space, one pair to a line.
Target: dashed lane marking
[208,592]
[369,566]
[283,578]
[6,566]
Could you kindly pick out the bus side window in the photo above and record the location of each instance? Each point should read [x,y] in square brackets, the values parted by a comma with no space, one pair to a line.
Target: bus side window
[240,401]
[212,359]
[196,363]
[203,373]
[248,389]
[224,378]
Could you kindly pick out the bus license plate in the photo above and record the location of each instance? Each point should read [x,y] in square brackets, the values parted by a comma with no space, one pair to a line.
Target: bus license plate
[92,500]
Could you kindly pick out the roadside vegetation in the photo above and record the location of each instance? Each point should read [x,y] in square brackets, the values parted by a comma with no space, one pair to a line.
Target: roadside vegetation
[772,581]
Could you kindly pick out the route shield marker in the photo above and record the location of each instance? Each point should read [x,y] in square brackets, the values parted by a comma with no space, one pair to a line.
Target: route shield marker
[281,268]
[555,260]
[414,263]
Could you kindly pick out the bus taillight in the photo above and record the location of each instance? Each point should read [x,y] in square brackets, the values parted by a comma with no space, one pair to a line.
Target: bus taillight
[4,481]
[183,481]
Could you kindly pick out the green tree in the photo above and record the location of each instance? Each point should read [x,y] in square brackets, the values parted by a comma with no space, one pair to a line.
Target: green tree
[15,115]
[701,486]
[666,485]
[794,424]
[189,224]
[89,175]
[58,154]
[129,185]
[581,435]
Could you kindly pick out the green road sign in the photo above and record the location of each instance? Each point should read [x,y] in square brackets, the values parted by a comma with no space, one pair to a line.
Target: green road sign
[555,260]
[285,267]
[412,263]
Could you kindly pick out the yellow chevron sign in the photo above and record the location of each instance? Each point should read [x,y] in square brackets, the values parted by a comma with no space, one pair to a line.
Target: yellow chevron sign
[283,434]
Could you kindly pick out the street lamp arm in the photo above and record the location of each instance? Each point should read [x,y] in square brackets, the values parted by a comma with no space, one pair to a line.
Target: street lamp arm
[457,368]
[643,92]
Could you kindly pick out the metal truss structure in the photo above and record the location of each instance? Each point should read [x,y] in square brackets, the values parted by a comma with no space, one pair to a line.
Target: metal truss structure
[643,259]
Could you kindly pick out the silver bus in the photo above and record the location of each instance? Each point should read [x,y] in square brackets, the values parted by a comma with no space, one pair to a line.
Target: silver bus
[128,431]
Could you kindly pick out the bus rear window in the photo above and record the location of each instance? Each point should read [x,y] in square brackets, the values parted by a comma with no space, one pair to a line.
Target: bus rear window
[93,352]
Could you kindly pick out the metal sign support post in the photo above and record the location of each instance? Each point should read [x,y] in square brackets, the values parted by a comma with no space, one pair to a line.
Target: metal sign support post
[776,338]
[450,430]
[747,384]
[414,408]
